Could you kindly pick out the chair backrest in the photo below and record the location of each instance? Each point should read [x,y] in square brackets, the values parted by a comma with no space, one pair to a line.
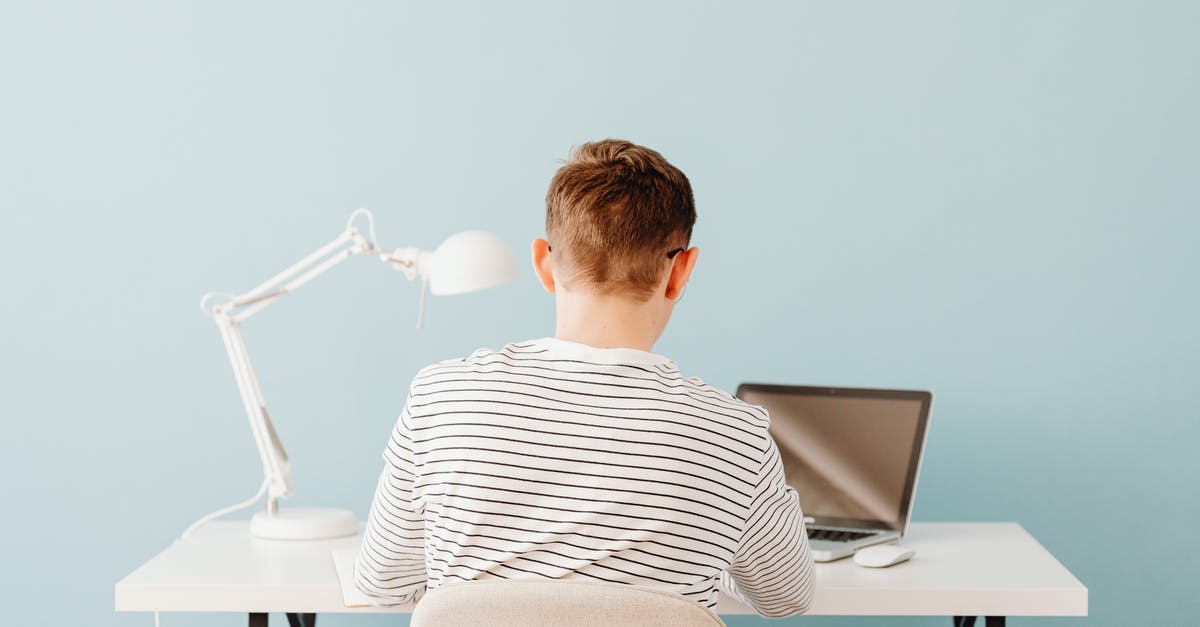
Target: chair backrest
[556,602]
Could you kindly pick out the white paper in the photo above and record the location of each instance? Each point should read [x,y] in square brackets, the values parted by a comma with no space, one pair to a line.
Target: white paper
[343,562]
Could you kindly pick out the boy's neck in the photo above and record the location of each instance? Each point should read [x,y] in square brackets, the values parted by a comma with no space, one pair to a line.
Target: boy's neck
[605,321]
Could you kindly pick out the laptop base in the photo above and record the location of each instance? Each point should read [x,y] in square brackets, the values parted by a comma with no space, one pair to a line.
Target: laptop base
[832,550]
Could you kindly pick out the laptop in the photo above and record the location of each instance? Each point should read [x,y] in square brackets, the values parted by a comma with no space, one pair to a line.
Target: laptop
[852,454]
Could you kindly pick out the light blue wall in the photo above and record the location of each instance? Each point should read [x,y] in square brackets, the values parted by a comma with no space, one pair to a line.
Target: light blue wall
[995,201]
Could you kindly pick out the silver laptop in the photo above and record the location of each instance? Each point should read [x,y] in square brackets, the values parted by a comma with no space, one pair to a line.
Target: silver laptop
[852,454]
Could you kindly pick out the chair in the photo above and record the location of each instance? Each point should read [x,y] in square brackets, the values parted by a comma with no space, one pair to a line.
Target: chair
[555,603]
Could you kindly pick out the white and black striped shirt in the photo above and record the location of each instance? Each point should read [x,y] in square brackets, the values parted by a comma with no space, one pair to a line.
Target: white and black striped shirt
[556,459]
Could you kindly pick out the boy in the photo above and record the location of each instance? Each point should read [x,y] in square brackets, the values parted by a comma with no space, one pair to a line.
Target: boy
[586,455]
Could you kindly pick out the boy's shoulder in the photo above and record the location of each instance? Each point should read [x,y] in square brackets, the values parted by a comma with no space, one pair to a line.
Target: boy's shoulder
[480,357]
[612,369]
[754,414]
[483,363]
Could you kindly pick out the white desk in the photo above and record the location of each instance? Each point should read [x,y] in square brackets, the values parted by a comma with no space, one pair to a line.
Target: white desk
[961,569]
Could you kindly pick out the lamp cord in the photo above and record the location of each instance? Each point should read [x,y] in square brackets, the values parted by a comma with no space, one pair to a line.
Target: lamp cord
[370,222]
[421,306]
[228,510]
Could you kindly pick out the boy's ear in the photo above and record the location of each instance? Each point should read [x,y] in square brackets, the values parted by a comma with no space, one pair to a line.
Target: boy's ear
[681,271]
[543,267]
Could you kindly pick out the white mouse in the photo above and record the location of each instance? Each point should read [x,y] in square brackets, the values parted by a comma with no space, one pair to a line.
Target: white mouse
[883,555]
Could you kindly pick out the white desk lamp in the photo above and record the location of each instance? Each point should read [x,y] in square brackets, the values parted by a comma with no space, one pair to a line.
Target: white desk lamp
[465,262]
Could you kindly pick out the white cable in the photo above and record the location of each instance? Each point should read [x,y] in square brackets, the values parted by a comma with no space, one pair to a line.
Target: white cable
[421,307]
[228,510]
[206,308]
[156,624]
[370,222]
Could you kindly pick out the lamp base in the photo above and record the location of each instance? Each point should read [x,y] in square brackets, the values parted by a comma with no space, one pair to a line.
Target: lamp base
[304,523]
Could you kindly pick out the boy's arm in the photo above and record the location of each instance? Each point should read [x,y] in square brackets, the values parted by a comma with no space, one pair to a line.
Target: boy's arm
[772,571]
[391,563]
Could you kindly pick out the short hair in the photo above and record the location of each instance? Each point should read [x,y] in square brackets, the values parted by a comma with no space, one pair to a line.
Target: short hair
[613,212]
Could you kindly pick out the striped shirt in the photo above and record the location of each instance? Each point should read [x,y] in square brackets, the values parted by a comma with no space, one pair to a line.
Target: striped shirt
[552,459]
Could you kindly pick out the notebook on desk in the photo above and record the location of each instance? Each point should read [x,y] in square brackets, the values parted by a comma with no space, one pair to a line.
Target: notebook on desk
[343,562]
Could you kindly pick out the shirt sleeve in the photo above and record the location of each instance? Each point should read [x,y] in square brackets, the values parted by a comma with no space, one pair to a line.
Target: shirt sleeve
[390,568]
[772,570]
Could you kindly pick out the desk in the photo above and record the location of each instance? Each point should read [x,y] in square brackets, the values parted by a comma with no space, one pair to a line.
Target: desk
[960,570]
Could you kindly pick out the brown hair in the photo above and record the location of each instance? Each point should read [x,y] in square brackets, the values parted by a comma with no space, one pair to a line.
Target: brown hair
[613,211]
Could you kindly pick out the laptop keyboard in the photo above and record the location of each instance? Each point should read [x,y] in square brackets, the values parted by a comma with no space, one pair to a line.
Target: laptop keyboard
[836,535]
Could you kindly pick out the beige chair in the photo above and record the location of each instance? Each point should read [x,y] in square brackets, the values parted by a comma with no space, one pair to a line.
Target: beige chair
[555,603]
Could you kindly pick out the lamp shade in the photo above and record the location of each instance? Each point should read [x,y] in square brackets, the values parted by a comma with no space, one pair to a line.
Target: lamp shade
[470,261]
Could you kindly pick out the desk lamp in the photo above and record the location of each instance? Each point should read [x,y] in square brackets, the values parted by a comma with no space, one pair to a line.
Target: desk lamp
[465,262]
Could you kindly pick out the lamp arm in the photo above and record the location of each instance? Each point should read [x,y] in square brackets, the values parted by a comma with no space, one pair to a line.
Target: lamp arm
[350,233]
[407,260]
[274,459]
[230,314]
[246,305]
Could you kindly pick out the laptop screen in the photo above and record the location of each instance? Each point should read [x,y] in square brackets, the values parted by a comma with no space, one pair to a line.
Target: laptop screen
[851,454]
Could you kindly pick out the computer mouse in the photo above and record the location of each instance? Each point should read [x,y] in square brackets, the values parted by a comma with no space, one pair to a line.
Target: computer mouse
[883,555]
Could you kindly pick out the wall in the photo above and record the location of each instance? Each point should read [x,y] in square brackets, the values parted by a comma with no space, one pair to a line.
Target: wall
[994,201]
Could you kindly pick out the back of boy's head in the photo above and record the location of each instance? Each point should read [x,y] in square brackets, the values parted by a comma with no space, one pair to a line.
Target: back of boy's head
[613,212]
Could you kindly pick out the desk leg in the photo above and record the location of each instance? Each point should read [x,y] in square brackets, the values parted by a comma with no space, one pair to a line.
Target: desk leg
[259,619]
[302,620]
[969,621]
